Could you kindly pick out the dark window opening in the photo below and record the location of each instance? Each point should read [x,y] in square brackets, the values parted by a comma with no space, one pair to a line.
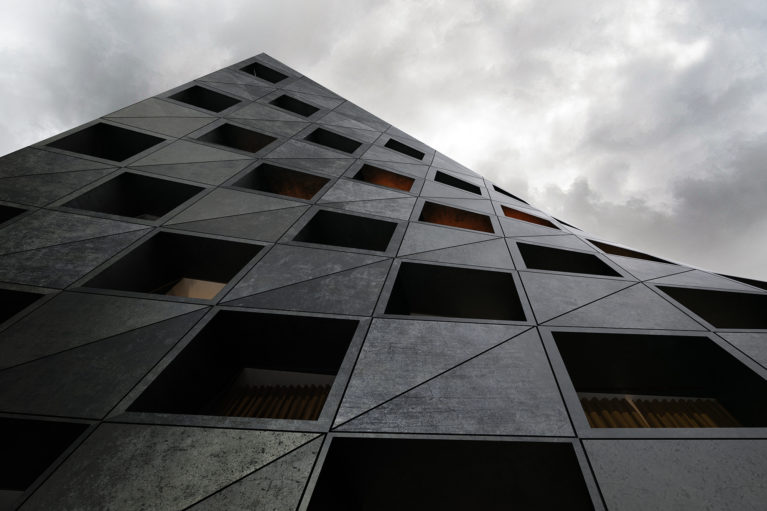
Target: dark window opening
[672,381]
[619,251]
[526,217]
[723,309]
[247,364]
[294,105]
[361,473]
[135,196]
[342,230]
[229,135]
[106,141]
[537,257]
[8,212]
[177,265]
[12,302]
[750,282]
[263,72]
[333,140]
[454,217]
[376,176]
[205,98]
[404,149]
[282,181]
[504,192]
[449,180]
[29,447]
[432,290]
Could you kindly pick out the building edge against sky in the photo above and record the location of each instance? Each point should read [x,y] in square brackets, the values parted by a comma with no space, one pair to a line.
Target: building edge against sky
[248,292]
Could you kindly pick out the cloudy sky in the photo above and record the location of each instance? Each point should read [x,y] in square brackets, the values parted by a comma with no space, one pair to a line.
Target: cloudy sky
[642,122]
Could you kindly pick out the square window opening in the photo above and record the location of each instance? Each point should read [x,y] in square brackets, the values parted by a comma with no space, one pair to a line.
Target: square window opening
[235,137]
[273,179]
[526,217]
[449,180]
[247,364]
[538,257]
[342,230]
[29,447]
[359,473]
[12,302]
[333,140]
[447,291]
[294,105]
[504,192]
[106,141]
[723,309]
[381,177]
[177,265]
[265,73]
[661,381]
[625,252]
[8,212]
[136,196]
[455,217]
[404,149]
[205,98]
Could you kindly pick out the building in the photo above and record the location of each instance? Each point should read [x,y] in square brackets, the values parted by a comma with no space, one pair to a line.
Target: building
[247,292]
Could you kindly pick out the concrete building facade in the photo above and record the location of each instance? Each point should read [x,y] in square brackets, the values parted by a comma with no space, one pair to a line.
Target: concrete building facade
[249,293]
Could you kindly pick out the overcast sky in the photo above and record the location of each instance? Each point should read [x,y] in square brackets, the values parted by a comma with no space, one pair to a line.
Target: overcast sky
[642,122]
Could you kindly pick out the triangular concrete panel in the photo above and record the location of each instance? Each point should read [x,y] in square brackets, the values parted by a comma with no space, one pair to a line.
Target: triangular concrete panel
[243,91]
[170,126]
[646,270]
[697,278]
[509,390]
[299,149]
[223,202]
[279,128]
[183,151]
[158,467]
[492,254]
[44,228]
[89,380]
[42,189]
[553,295]
[425,238]
[400,354]
[211,173]
[515,228]
[348,292]
[401,209]
[346,190]
[262,111]
[263,226]
[480,205]
[285,265]
[354,112]
[155,107]
[58,266]
[753,344]
[58,325]
[564,241]
[31,160]
[277,486]
[329,166]
[634,307]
